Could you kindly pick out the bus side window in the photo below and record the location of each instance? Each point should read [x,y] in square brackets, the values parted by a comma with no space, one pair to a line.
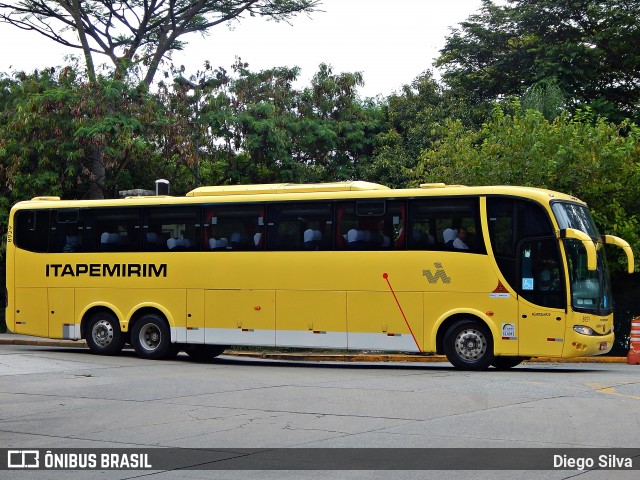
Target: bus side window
[67,231]
[112,230]
[32,230]
[234,227]
[445,224]
[300,226]
[172,229]
[371,225]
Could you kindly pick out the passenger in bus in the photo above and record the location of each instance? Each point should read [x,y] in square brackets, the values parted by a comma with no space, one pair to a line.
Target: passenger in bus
[449,236]
[459,241]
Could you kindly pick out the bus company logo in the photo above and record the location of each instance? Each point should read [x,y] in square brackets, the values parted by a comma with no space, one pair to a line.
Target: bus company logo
[106,270]
[439,274]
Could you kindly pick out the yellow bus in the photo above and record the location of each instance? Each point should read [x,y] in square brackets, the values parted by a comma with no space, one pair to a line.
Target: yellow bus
[486,275]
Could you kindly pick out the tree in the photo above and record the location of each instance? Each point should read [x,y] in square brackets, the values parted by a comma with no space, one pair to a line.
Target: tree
[586,46]
[412,119]
[335,131]
[136,33]
[255,127]
[49,122]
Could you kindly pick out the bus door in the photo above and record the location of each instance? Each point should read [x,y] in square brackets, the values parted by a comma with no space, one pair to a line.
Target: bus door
[542,298]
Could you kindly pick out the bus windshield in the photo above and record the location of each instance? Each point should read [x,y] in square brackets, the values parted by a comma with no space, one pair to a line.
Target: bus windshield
[590,290]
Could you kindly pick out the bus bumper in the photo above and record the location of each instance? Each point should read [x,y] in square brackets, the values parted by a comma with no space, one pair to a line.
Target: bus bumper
[577,345]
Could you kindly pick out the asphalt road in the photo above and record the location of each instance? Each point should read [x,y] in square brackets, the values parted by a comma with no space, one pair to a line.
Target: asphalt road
[65,397]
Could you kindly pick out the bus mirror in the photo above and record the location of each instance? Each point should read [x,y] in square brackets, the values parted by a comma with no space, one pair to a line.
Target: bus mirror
[618,242]
[588,243]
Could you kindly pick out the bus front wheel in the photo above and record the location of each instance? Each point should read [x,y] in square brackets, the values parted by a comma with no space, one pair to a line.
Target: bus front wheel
[103,334]
[468,345]
[151,338]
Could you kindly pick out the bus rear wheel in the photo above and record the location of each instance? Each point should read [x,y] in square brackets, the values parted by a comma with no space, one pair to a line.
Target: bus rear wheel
[151,338]
[204,353]
[103,334]
[468,345]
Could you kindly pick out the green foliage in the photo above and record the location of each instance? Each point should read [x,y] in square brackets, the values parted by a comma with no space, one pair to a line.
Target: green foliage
[590,158]
[412,122]
[255,127]
[53,123]
[588,47]
[546,97]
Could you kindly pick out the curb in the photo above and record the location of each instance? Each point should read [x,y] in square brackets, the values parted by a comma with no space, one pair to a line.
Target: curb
[5,339]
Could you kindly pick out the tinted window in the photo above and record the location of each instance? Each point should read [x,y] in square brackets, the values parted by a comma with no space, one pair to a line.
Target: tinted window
[32,230]
[172,229]
[300,226]
[234,227]
[370,225]
[540,274]
[112,230]
[67,231]
[445,224]
[510,222]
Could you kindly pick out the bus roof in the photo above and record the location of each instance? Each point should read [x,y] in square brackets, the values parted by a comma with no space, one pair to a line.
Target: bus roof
[280,188]
[313,191]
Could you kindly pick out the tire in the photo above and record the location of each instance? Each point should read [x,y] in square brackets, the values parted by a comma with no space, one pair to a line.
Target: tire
[103,334]
[204,353]
[151,338]
[468,345]
[504,363]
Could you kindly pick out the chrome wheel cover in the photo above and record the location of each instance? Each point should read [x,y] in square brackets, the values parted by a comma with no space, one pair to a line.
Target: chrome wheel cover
[471,344]
[102,333]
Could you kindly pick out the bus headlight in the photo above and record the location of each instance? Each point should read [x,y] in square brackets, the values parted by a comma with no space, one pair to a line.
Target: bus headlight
[583,329]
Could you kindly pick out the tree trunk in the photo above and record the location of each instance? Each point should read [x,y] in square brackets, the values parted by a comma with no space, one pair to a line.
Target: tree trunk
[97,174]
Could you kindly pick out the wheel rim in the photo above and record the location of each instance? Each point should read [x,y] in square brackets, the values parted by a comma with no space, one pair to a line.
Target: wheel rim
[471,344]
[102,333]
[150,336]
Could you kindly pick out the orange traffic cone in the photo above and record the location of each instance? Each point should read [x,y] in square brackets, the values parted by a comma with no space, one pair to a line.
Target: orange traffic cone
[633,357]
